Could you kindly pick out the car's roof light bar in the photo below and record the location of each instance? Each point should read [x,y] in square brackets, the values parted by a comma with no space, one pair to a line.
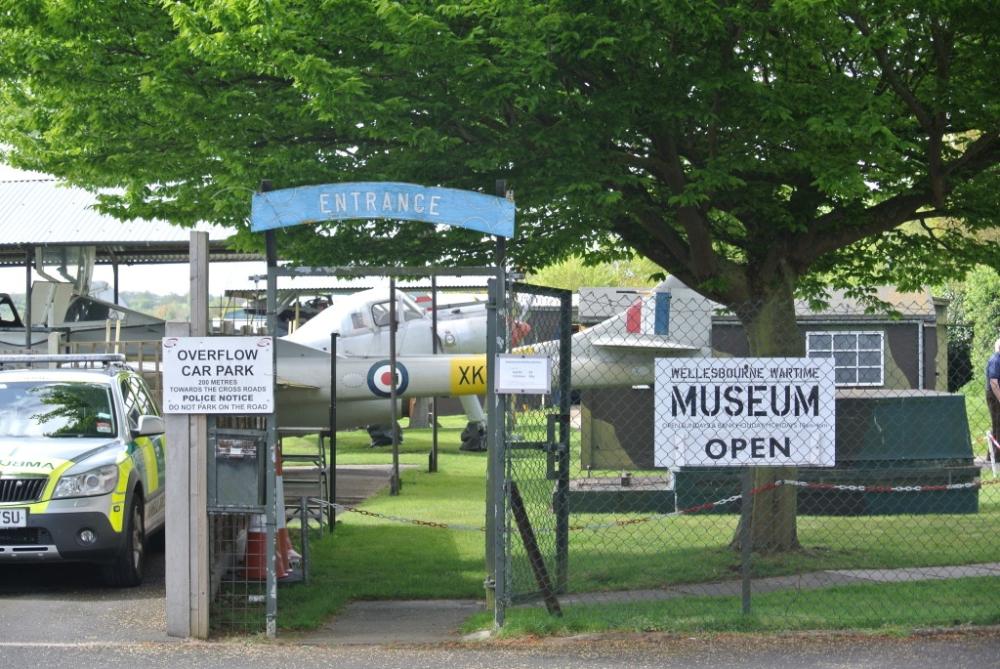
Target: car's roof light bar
[62,358]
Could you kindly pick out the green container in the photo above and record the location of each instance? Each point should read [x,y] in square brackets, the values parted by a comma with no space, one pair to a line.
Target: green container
[883,438]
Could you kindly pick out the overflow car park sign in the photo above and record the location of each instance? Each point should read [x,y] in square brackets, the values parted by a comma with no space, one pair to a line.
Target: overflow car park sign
[218,375]
[739,412]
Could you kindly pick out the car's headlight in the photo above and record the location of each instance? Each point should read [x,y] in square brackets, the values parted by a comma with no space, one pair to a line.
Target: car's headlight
[98,481]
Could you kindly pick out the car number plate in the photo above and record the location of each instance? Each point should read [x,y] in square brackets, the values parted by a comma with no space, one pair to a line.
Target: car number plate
[13,518]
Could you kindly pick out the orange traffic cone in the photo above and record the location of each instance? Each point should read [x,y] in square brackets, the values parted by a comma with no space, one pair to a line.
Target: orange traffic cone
[255,563]
[281,568]
[288,553]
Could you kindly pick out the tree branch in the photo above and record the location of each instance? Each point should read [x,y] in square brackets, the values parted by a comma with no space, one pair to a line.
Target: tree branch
[703,258]
[891,213]
[892,77]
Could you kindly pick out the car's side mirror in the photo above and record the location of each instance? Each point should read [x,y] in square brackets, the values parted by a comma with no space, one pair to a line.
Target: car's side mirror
[149,426]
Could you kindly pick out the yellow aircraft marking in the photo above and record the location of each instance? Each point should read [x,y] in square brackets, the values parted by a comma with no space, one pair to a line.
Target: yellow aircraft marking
[468,375]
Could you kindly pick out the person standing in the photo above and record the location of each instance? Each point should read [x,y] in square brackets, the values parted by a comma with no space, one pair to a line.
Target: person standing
[993,396]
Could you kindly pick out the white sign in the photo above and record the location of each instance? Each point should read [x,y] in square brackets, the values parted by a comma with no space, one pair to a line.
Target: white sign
[13,518]
[218,375]
[738,412]
[523,374]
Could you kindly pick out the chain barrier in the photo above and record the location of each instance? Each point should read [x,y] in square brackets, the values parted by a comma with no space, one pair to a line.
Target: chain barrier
[345,508]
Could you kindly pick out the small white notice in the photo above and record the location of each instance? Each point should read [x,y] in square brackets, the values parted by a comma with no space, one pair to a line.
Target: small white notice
[218,375]
[523,374]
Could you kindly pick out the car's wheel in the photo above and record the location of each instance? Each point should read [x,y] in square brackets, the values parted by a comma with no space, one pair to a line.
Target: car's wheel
[126,570]
[156,541]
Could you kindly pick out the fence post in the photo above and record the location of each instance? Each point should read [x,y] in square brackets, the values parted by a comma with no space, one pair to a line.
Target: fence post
[496,447]
[746,506]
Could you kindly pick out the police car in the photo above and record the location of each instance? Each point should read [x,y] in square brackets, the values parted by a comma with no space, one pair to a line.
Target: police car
[81,464]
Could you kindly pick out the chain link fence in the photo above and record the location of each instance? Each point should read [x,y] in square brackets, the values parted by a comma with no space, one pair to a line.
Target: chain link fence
[238,579]
[846,481]
[538,451]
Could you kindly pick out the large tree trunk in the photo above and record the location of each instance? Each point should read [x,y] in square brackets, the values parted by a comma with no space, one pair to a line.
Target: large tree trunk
[772,332]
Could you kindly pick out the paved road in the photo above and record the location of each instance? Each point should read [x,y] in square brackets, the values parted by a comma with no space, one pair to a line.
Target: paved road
[59,617]
[978,649]
[66,602]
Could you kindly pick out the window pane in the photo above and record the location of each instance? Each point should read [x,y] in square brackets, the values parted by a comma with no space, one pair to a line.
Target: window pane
[845,359]
[43,409]
[870,342]
[380,314]
[411,314]
[820,354]
[844,341]
[870,375]
[846,375]
[819,341]
[870,358]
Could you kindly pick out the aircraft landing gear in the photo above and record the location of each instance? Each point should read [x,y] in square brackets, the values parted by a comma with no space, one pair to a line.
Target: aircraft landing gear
[473,437]
[381,435]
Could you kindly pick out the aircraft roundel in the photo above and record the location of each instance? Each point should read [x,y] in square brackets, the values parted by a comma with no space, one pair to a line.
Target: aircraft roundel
[380,378]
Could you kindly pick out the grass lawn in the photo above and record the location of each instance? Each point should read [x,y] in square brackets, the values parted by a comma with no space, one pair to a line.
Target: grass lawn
[901,606]
[369,558]
[373,558]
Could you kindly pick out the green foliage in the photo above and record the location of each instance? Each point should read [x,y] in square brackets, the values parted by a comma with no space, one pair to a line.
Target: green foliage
[170,307]
[974,322]
[574,272]
[742,146]
[982,308]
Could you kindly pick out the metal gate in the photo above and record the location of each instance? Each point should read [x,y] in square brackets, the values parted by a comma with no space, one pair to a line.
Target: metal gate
[532,509]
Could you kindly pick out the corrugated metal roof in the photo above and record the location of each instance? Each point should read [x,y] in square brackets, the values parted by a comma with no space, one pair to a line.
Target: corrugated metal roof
[43,212]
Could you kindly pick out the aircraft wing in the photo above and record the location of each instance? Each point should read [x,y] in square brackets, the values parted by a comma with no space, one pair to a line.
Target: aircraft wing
[640,342]
[287,383]
[297,363]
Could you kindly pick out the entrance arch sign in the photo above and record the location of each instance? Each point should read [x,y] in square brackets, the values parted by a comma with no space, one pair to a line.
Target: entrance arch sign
[389,200]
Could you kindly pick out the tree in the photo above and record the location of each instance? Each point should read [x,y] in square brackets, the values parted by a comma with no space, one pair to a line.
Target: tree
[982,307]
[574,273]
[753,149]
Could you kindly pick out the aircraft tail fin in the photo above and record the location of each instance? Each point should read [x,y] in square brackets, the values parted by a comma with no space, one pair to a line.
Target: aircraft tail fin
[670,318]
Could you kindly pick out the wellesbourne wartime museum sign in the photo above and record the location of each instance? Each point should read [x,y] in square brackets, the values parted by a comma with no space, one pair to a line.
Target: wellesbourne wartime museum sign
[739,412]
[218,375]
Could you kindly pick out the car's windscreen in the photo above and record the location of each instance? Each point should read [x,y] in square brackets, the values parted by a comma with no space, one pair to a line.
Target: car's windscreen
[55,409]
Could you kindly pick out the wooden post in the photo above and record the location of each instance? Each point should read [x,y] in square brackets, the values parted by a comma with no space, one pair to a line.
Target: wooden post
[27,298]
[199,449]
[178,575]
[187,484]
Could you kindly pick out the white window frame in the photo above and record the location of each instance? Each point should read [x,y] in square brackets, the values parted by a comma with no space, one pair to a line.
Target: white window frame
[857,334]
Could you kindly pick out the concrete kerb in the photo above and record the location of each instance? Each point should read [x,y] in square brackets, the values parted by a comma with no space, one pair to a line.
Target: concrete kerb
[437,621]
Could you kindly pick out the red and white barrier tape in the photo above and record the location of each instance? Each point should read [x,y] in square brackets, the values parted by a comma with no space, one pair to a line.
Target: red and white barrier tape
[708,506]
